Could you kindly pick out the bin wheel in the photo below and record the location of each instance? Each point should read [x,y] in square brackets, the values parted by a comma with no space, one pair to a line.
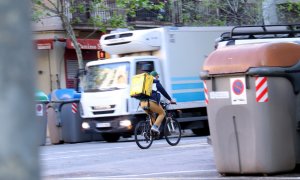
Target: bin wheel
[59,142]
[204,131]
[110,137]
[201,131]
[223,174]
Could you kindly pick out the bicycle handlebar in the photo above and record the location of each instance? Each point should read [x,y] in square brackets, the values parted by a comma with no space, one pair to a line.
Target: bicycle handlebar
[166,104]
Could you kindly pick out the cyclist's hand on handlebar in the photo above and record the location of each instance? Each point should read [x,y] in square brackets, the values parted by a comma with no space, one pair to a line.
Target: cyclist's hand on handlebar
[172,101]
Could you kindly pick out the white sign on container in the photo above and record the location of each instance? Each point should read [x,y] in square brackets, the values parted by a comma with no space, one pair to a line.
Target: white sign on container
[238,91]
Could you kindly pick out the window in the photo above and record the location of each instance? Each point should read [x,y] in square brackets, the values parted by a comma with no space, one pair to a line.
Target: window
[141,65]
[107,77]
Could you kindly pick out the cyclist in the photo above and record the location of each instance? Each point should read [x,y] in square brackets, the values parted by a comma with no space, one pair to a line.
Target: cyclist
[152,105]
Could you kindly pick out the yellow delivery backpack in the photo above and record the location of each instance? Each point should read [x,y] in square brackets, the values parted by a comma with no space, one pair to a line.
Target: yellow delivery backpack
[141,86]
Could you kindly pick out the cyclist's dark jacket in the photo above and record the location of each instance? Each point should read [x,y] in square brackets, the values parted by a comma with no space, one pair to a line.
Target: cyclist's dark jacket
[155,96]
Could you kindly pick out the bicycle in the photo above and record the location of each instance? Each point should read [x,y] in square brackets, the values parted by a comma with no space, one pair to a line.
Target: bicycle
[170,128]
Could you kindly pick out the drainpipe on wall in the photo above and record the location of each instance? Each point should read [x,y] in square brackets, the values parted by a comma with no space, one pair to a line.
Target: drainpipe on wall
[50,72]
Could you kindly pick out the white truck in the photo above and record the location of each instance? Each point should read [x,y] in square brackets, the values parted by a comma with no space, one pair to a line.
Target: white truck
[176,53]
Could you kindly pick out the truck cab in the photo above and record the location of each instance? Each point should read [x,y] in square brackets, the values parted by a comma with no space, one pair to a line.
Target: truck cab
[106,96]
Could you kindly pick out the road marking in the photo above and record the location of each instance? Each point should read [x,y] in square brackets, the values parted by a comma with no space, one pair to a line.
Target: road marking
[155,176]
[83,153]
[85,150]
[72,157]
[184,143]
[162,173]
[181,144]
[186,178]
[138,176]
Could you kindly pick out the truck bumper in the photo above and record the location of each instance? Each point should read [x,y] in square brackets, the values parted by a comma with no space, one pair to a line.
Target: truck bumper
[193,122]
[121,124]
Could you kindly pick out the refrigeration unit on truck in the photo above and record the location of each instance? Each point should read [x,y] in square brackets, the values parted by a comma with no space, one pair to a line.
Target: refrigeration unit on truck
[176,53]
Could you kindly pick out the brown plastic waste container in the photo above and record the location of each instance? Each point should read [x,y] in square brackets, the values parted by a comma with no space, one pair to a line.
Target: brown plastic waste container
[251,94]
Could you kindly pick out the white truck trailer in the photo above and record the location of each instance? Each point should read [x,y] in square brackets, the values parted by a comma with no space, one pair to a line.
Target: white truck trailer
[176,53]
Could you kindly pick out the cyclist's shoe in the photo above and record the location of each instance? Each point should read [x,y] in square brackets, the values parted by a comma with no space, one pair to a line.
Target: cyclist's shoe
[155,129]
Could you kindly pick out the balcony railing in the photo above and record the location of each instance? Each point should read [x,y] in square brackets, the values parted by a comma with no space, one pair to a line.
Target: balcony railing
[142,18]
[151,17]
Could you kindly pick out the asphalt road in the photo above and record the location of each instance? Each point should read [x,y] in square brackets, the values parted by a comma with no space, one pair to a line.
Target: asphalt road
[191,159]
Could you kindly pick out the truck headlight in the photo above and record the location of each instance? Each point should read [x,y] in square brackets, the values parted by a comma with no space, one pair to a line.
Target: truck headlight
[85,125]
[125,123]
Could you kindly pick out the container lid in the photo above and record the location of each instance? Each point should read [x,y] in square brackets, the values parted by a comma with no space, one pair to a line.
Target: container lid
[65,94]
[239,58]
[40,96]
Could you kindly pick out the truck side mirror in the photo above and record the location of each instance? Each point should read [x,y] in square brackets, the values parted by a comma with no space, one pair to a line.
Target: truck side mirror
[80,73]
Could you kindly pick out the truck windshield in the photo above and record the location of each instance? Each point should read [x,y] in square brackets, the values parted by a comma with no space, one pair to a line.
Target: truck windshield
[107,77]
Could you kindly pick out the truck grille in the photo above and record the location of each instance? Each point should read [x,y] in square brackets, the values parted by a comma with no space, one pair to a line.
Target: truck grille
[103,107]
[104,112]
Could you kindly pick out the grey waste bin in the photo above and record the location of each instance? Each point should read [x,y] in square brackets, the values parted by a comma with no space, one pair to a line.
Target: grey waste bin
[41,100]
[65,120]
[54,122]
[251,92]
[71,123]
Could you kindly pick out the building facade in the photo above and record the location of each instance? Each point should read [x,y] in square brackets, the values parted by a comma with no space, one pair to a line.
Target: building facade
[55,55]
[56,58]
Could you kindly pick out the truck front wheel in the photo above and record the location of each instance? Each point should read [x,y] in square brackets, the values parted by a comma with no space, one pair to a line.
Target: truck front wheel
[201,132]
[109,137]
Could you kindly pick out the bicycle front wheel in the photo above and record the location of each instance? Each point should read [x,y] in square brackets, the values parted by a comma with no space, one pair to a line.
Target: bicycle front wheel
[172,131]
[142,134]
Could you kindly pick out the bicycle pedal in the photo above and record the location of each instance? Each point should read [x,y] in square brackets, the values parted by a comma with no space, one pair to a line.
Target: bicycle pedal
[157,136]
[155,133]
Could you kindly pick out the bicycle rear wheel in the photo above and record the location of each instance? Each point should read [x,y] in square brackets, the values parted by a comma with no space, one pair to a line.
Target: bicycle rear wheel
[172,131]
[142,134]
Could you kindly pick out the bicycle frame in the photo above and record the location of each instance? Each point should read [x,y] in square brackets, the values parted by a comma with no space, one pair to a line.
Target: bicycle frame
[170,129]
[165,106]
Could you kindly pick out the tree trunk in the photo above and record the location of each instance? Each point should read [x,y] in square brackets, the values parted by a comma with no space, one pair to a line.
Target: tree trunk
[176,7]
[269,12]
[68,27]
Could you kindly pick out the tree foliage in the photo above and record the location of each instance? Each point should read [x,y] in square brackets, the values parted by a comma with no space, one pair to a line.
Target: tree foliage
[289,12]
[100,14]
[222,12]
